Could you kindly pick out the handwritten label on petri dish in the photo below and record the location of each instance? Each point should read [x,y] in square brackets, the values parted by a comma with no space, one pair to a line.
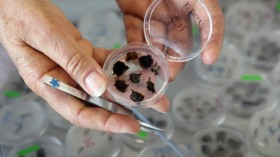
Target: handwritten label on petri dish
[142,134]
[29,150]
[251,78]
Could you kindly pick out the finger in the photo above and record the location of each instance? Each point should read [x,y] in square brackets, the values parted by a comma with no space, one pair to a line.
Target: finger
[134,7]
[213,49]
[134,29]
[61,47]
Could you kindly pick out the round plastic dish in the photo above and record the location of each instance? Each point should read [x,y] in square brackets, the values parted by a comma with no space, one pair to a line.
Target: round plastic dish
[80,142]
[220,72]
[220,141]
[163,150]
[265,132]
[142,139]
[103,29]
[172,33]
[193,109]
[20,122]
[249,92]
[58,120]
[43,146]
[15,90]
[242,19]
[262,50]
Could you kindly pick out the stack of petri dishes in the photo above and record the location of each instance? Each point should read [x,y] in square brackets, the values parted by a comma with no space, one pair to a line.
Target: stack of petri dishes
[249,92]
[142,139]
[197,108]
[265,132]
[80,142]
[220,141]
[21,122]
[43,146]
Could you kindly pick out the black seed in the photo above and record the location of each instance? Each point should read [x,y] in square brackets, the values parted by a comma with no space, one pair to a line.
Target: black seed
[155,69]
[221,137]
[135,78]
[206,150]
[121,85]
[119,68]
[131,56]
[151,86]
[146,61]
[136,96]
[41,153]
[234,144]
[207,139]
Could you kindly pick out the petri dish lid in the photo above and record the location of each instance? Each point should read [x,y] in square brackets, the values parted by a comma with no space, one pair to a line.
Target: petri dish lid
[162,150]
[220,141]
[174,27]
[22,121]
[81,142]
[229,62]
[46,146]
[265,132]
[196,108]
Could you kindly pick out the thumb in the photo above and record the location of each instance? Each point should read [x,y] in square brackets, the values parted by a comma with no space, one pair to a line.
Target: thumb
[66,52]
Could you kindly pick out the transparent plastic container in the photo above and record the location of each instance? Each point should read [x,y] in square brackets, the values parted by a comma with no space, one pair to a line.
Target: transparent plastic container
[241,19]
[220,141]
[22,121]
[196,108]
[80,142]
[163,150]
[142,139]
[103,29]
[265,132]
[220,72]
[179,42]
[262,50]
[249,92]
[14,90]
[43,146]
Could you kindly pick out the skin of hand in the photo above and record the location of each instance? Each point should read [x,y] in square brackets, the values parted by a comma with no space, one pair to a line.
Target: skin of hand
[41,40]
[134,12]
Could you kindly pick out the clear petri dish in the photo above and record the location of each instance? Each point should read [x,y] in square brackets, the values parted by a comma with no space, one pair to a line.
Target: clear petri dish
[20,122]
[57,120]
[163,150]
[220,141]
[15,90]
[104,28]
[43,146]
[193,109]
[249,92]
[227,65]
[262,50]
[265,132]
[80,142]
[241,19]
[142,139]
[172,30]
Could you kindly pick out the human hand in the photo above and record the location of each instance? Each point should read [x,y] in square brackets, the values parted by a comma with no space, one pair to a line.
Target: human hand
[134,12]
[40,40]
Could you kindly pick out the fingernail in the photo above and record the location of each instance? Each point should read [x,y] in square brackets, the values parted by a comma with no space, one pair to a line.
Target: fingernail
[95,84]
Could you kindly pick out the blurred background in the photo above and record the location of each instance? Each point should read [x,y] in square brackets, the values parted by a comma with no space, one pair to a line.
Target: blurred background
[229,109]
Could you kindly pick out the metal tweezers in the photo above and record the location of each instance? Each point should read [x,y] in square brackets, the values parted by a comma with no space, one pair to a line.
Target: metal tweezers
[96,101]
